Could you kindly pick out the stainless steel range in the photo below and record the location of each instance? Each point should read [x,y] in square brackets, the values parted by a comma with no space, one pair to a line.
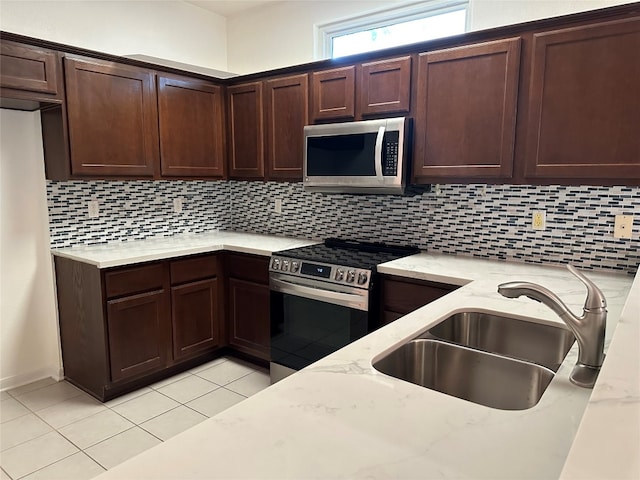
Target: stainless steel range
[323,297]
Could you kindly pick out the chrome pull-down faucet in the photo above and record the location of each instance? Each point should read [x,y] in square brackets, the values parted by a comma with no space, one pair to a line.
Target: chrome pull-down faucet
[588,329]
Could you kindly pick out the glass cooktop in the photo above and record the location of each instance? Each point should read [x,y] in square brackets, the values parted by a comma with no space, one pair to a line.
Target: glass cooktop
[349,253]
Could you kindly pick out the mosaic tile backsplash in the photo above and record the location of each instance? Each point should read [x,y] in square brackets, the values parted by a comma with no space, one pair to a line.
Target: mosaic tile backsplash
[491,221]
[134,210]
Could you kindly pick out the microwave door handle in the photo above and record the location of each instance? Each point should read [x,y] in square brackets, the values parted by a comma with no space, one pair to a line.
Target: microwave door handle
[378,155]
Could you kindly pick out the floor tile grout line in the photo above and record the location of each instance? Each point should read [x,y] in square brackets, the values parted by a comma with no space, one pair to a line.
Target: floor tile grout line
[171,383]
[107,438]
[237,393]
[47,465]
[199,396]
[150,433]
[34,438]
[39,388]
[194,410]
[102,441]
[52,405]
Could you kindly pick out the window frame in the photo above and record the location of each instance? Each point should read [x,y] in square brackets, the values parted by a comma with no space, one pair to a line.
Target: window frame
[404,12]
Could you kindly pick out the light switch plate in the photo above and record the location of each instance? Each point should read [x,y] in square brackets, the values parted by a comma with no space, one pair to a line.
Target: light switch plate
[623,226]
[93,207]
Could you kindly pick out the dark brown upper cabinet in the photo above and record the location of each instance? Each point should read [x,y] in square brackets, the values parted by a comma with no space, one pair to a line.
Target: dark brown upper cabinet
[466,111]
[334,93]
[246,131]
[584,106]
[29,75]
[287,101]
[112,119]
[191,123]
[385,86]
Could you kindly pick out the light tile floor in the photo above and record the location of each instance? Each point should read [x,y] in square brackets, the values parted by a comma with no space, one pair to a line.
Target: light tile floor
[52,430]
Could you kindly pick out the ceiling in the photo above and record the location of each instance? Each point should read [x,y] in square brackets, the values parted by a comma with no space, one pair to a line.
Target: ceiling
[228,8]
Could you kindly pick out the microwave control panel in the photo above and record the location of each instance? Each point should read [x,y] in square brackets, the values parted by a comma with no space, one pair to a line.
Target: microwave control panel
[390,161]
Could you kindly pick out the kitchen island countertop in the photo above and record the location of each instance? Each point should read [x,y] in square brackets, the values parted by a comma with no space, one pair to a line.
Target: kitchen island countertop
[340,418]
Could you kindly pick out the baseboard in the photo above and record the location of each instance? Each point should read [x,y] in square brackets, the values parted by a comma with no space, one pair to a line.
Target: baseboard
[25,378]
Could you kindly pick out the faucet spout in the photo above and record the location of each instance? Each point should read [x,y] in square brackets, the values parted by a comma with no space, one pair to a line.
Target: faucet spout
[589,329]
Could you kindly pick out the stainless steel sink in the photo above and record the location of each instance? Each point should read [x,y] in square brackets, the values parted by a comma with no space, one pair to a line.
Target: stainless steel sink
[480,377]
[545,345]
[488,359]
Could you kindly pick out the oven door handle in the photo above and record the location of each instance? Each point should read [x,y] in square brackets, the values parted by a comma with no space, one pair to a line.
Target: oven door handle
[350,300]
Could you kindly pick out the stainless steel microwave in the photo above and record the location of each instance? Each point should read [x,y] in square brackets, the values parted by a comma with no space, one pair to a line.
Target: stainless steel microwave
[357,157]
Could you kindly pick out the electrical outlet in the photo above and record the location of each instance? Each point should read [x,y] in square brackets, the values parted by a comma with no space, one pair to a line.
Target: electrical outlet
[277,205]
[93,207]
[623,226]
[437,190]
[177,205]
[539,220]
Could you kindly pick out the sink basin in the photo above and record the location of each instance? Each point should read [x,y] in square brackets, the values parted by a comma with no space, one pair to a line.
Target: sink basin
[480,377]
[485,358]
[545,345]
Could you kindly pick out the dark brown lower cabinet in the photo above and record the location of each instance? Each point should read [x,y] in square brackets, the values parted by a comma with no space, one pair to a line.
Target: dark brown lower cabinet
[125,327]
[248,304]
[139,334]
[401,296]
[195,317]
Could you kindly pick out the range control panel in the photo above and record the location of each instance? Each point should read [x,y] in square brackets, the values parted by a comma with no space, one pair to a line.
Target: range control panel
[321,271]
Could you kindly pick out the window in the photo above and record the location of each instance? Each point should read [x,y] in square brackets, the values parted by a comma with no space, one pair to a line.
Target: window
[410,23]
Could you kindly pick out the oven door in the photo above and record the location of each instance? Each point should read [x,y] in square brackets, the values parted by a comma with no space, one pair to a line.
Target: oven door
[311,319]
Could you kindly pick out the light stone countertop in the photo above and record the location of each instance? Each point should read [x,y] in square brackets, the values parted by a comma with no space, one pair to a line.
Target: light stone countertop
[136,251]
[340,418]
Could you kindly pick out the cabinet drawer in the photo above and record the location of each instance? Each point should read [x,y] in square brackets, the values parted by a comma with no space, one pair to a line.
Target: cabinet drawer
[134,280]
[196,268]
[248,267]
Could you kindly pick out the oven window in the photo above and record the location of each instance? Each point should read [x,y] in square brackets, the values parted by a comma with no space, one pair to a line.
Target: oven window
[305,330]
[341,155]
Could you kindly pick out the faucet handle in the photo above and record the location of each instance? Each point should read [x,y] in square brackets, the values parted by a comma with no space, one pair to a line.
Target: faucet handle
[595,297]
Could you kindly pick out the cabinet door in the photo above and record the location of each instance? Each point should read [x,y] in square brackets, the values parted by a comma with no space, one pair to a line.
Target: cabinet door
[113,121]
[28,72]
[287,101]
[334,93]
[195,318]
[466,111]
[190,114]
[246,131]
[400,296]
[249,329]
[385,86]
[584,109]
[139,332]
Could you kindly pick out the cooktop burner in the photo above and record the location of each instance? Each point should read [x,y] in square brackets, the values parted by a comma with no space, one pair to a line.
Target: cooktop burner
[350,254]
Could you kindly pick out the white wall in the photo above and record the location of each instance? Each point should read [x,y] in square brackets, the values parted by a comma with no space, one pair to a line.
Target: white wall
[494,13]
[28,322]
[166,29]
[282,33]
